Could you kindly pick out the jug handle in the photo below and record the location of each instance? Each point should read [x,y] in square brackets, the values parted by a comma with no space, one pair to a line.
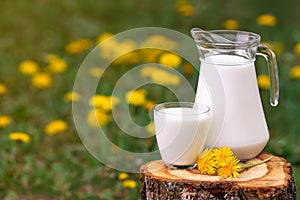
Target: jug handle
[270,57]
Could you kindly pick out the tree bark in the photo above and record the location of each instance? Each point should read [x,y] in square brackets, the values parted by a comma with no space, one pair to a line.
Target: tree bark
[271,180]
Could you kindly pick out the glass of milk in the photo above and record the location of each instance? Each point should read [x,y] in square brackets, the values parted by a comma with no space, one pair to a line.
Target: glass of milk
[181,130]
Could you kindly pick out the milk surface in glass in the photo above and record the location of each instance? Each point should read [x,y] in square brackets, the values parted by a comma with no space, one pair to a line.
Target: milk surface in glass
[231,82]
[181,134]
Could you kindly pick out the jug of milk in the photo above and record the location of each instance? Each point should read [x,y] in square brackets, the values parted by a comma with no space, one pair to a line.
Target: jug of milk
[228,85]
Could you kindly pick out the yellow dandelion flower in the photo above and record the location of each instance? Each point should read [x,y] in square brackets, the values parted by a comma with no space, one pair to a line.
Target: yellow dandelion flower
[78,46]
[41,80]
[230,170]
[56,64]
[222,162]
[295,72]
[19,136]
[148,105]
[55,127]
[150,128]
[4,121]
[114,101]
[114,149]
[122,176]
[159,42]
[109,49]
[136,97]
[97,117]
[223,156]
[185,8]
[125,47]
[231,24]
[149,55]
[297,48]
[103,102]
[103,37]
[188,69]
[276,47]
[146,71]
[263,81]
[96,72]
[174,79]
[127,58]
[72,97]
[28,67]
[266,20]
[3,89]
[98,100]
[206,163]
[129,184]
[170,60]
[119,51]
[163,77]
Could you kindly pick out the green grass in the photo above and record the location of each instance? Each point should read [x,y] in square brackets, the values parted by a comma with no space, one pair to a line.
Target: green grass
[59,166]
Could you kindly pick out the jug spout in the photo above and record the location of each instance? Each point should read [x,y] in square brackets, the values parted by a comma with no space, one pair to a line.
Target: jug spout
[198,34]
[225,42]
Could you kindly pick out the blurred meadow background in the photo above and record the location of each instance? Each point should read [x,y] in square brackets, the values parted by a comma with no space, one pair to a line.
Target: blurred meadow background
[44,42]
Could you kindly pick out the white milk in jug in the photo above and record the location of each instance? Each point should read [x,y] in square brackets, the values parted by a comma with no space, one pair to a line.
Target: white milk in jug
[229,83]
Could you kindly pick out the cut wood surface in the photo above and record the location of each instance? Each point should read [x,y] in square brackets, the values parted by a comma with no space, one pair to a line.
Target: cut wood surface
[271,180]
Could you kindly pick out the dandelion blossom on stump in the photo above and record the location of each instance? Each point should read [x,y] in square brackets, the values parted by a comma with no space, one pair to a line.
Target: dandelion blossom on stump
[205,163]
[230,170]
[223,156]
[222,162]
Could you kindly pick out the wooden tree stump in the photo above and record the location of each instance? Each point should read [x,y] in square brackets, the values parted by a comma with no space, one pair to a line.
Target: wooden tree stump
[271,180]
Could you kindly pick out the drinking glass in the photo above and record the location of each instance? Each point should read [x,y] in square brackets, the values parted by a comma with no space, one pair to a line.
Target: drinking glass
[181,130]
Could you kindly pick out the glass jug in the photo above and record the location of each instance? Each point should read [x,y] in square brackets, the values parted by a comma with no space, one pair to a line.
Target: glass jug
[228,85]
